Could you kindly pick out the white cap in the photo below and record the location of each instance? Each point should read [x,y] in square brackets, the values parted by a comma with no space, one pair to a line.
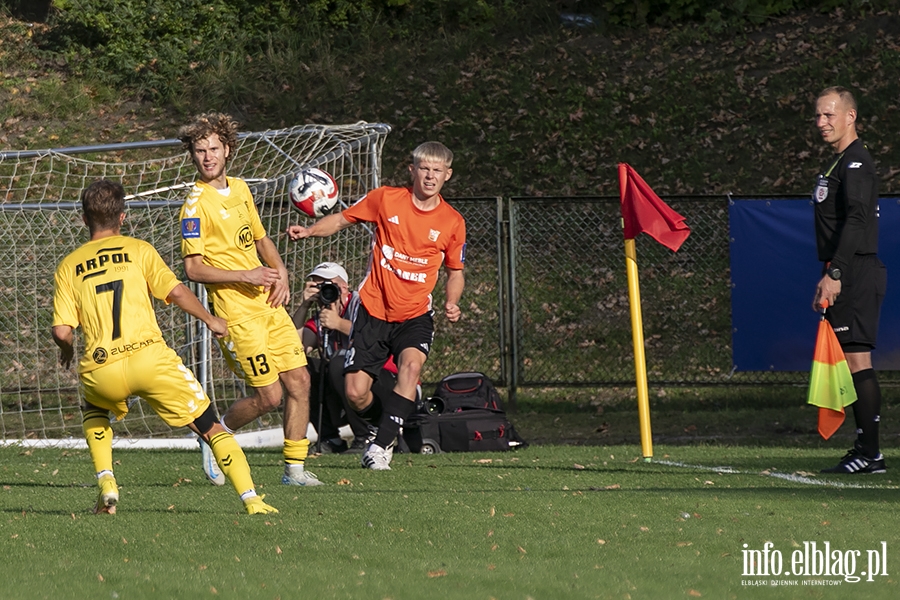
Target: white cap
[330,270]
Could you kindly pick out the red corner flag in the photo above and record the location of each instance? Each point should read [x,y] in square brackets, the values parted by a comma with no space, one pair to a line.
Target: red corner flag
[644,211]
[830,382]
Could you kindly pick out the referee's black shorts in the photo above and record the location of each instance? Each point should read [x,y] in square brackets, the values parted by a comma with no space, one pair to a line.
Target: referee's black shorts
[854,316]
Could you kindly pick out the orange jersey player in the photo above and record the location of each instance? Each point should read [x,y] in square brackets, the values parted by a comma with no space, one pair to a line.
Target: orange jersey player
[416,232]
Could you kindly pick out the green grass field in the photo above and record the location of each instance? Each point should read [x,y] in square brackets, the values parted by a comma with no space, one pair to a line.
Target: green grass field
[542,522]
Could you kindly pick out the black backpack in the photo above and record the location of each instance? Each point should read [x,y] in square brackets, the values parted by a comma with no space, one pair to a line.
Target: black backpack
[462,391]
[465,414]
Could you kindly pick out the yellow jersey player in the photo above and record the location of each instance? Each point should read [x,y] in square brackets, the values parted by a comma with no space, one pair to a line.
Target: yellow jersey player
[222,241]
[103,288]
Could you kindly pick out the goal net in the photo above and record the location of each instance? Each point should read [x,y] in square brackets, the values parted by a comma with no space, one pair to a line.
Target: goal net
[40,222]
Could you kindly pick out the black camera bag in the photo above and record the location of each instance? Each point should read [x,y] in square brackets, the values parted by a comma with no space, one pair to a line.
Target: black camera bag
[465,390]
[466,430]
[465,414]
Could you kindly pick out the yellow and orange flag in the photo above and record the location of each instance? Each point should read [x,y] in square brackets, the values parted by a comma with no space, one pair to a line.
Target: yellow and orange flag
[830,382]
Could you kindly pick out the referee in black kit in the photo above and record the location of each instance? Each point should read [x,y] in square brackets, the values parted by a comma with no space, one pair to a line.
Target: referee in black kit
[853,280]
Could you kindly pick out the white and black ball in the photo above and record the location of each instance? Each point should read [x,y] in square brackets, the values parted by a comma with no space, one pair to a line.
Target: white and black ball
[314,192]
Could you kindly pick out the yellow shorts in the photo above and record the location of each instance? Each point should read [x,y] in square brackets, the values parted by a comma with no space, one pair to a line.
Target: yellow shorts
[154,373]
[260,349]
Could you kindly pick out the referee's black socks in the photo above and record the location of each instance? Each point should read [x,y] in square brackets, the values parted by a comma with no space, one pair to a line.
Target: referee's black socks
[867,411]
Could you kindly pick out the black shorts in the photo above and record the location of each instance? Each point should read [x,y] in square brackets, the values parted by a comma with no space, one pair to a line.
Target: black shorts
[854,316]
[372,340]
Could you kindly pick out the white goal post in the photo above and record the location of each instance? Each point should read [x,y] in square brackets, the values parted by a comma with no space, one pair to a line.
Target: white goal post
[40,223]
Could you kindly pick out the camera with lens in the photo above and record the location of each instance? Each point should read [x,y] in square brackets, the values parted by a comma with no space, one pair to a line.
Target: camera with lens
[434,406]
[329,293]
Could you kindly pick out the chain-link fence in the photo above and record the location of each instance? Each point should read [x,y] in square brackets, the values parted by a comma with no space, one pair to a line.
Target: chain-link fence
[545,304]
[571,305]
[546,301]
[474,343]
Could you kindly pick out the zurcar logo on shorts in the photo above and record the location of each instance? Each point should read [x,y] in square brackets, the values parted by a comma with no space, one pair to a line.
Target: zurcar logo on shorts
[100,356]
[190,228]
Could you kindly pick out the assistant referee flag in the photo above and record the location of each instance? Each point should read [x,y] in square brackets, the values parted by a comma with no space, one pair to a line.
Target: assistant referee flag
[830,382]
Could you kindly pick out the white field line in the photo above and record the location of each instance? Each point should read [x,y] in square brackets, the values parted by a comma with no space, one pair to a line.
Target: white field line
[264,438]
[268,438]
[792,477]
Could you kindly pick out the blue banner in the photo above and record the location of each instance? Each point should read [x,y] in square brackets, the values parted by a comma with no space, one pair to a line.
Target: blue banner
[774,272]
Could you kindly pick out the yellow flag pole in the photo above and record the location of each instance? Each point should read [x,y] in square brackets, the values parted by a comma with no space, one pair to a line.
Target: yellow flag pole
[640,361]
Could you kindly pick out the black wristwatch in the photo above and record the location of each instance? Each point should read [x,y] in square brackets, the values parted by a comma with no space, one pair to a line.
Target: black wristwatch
[833,272]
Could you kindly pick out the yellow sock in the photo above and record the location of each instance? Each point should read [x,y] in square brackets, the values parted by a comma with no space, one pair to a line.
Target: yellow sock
[232,461]
[99,438]
[295,452]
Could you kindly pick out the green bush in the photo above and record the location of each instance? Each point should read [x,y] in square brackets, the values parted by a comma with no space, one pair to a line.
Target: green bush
[407,14]
[633,13]
[28,10]
[154,46]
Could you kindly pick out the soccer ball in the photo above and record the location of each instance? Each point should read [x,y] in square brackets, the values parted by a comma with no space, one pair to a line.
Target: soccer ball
[314,192]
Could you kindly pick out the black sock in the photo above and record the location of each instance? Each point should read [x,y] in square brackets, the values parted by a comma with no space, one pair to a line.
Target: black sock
[396,410]
[372,413]
[867,411]
[360,427]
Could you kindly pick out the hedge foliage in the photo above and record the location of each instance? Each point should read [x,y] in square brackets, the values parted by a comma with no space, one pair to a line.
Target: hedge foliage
[154,45]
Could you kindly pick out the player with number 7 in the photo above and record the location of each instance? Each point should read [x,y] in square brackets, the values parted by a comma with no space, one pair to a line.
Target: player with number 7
[102,287]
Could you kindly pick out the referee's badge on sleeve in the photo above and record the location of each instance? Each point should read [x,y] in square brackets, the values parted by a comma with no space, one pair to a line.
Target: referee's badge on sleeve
[821,189]
[190,228]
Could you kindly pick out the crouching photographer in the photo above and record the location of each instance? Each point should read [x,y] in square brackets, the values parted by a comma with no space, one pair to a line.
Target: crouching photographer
[323,320]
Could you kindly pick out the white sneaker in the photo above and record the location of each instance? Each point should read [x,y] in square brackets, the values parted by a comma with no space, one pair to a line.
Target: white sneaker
[299,476]
[210,466]
[373,433]
[377,458]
